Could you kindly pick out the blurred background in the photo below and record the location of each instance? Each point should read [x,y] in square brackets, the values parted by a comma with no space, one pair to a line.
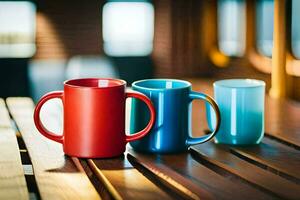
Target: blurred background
[44,42]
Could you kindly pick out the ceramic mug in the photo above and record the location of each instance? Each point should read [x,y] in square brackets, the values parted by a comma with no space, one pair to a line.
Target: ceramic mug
[241,102]
[94,117]
[172,101]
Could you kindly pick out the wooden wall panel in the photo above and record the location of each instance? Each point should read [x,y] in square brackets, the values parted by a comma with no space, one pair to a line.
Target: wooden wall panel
[185,37]
[162,47]
[177,44]
[67,28]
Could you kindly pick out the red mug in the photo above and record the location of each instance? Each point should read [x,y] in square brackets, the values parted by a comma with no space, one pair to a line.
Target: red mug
[94,117]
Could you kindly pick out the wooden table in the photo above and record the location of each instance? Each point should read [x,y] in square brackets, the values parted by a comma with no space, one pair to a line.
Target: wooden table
[33,167]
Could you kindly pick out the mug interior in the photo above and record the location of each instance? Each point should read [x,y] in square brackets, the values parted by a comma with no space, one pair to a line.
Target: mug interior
[239,83]
[161,84]
[95,82]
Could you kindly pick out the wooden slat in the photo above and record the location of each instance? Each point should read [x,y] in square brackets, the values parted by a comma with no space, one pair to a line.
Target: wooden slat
[276,156]
[98,184]
[99,174]
[282,120]
[4,116]
[220,156]
[12,179]
[127,181]
[171,179]
[217,186]
[56,175]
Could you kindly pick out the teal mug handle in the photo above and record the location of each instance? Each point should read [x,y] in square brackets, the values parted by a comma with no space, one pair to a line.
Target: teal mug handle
[196,95]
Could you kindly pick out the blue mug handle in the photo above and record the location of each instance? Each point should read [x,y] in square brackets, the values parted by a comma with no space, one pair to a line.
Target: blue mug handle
[196,95]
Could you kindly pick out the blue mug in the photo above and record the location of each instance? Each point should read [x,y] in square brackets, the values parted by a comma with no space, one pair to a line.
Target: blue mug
[241,102]
[172,130]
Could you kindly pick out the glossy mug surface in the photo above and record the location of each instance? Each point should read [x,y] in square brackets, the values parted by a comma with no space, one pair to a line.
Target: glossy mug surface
[172,101]
[241,102]
[94,117]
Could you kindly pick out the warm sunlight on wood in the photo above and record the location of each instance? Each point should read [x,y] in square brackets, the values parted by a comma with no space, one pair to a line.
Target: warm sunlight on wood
[278,88]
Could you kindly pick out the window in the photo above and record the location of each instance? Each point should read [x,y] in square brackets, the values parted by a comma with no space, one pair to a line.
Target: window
[296,28]
[17,30]
[232,27]
[128,28]
[264,22]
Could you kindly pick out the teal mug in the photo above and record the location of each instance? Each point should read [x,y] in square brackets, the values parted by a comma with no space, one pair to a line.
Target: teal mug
[172,100]
[241,103]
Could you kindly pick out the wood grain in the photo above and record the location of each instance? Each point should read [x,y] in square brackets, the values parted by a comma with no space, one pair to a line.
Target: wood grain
[169,178]
[276,156]
[56,175]
[282,120]
[128,181]
[12,180]
[4,116]
[99,186]
[220,156]
[217,186]
[111,189]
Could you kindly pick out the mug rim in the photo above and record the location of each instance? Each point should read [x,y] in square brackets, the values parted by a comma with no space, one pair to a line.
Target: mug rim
[134,84]
[255,83]
[120,82]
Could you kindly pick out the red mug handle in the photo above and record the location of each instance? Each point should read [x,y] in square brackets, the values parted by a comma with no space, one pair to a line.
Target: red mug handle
[37,121]
[142,133]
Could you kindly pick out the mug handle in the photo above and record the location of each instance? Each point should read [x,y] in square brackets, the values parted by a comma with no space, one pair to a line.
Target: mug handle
[142,133]
[37,121]
[196,95]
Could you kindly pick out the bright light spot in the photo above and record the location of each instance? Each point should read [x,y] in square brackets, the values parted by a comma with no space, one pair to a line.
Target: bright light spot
[264,21]
[232,27]
[103,83]
[296,28]
[17,29]
[169,84]
[128,28]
